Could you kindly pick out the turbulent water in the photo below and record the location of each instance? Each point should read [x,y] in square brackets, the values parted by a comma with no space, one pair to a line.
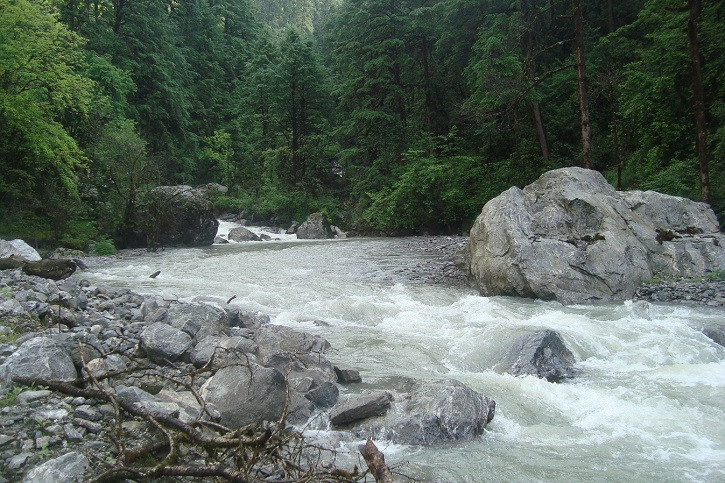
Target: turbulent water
[647,403]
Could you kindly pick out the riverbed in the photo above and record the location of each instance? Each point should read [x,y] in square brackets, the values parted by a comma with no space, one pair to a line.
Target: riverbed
[647,402]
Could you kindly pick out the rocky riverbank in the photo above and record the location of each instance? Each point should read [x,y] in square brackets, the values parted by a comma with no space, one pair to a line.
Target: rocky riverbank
[700,291]
[95,380]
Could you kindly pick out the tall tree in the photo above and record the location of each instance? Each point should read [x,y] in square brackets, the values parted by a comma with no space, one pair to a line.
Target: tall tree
[586,128]
[695,7]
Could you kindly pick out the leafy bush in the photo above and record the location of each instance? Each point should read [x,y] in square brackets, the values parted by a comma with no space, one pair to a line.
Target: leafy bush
[104,246]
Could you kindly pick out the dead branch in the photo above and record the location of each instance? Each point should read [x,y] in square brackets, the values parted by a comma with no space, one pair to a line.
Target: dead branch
[376,462]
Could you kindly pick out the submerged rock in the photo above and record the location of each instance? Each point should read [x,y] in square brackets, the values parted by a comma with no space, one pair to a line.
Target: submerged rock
[570,236]
[542,354]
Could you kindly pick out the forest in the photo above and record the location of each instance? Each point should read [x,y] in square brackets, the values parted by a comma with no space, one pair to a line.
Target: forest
[389,116]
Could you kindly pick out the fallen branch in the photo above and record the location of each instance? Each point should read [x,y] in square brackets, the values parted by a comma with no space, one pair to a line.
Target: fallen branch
[376,462]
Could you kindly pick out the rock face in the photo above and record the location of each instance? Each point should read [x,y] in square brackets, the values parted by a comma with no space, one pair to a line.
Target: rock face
[542,354]
[315,227]
[18,248]
[570,236]
[435,412]
[179,216]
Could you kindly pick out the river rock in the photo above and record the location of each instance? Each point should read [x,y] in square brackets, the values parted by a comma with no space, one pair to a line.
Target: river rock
[224,350]
[716,333]
[314,228]
[570,236]
[347,376]
[435,412]
[292,228]
[38,358]
[17,247]
[241,234]
[163,343]
[199,320]
[69,468]
[542,354]
[246,395]
[178,216]
[273,339]
[357,408]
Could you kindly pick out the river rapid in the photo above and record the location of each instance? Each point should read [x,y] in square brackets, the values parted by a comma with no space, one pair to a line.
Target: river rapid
[647,402]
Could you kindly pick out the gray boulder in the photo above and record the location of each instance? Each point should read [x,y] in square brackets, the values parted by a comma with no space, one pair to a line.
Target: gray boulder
[68,468]
[292,229]
[358,408]
[273,339]
[570,236]
[542,354]
[246,395]
[241,234]
[178,216]
[17,247]
[314,228]
[347,376]
[38,358]
[199,320]
[163,343]
[435,412]
[224,350]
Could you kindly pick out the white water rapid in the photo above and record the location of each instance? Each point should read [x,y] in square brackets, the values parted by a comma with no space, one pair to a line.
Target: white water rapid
[647,403]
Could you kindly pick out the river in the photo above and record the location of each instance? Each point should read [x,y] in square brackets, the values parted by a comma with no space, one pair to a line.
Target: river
[647,402]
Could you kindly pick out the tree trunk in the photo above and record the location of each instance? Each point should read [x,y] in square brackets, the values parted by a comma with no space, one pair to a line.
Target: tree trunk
[530,74]
[699,91]
[582,76]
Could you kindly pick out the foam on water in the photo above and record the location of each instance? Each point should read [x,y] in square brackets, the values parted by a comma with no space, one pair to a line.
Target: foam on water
[646,403]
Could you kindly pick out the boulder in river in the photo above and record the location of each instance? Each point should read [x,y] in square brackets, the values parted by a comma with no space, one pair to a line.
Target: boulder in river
[570,236]
[434,412]
[241,234]
[542,354]
[316,227]
[178,216]
[358,408]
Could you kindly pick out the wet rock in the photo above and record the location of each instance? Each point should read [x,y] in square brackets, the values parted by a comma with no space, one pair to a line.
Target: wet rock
[241,234]
[716,333]
[324,395]
[218,240]
[315,227]
[292,229]
[347,376]
[245,319]
[435,412]
[357,408]
[542,354]
[246,395]
[69,468]
[163,343]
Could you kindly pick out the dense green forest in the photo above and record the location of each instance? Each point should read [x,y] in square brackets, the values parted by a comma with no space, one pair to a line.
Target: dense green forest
[391,116]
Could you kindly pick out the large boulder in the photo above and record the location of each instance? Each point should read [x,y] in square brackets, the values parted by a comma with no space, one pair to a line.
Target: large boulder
[9,248]
[434,412]
[199,320]
[241,234]
[179,216]
[314,228]
[570,236]
[246,395]
[542,354]
[38,358]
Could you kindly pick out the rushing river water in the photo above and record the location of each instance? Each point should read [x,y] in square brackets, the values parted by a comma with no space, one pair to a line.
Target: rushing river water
[647,403]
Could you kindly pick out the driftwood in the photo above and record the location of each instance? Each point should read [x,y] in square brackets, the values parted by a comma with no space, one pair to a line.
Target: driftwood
[376,462]
[55,269]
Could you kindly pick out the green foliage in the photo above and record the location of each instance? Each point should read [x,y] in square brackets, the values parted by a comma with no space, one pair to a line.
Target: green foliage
[104,246]
[78,234]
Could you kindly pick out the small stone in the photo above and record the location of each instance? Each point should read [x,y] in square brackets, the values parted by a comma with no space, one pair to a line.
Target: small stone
[72,434]
[30,396]
[86,412]
[5,439]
